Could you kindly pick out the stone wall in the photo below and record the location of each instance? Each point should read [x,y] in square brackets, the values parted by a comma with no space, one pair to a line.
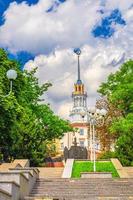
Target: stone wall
[120,169]
[17,180]
[11,188]
[22,162]
[68,168]
[5,195]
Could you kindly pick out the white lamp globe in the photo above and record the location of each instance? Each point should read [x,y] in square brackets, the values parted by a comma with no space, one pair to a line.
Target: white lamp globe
[98,111]
[103,112]
[11,74]
[82,114]
[93,110]
[89,109]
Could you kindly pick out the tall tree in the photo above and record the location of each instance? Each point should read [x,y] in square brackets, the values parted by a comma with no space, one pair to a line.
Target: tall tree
[119,91]
[107,139]
[25,124]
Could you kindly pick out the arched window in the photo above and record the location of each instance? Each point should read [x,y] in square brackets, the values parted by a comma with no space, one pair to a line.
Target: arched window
[82,143]
[81,131]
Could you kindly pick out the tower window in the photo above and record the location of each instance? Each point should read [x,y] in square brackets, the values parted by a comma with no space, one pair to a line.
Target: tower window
[82,143]
[81,131]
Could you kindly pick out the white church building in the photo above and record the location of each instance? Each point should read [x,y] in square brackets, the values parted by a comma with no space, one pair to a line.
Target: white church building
[78,121]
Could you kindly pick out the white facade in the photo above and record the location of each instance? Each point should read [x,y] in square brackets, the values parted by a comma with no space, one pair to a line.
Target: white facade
[78,118]
[81,138]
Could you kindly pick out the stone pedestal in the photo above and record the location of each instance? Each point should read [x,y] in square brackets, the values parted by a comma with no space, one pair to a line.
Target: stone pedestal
[96,175]
[75,152]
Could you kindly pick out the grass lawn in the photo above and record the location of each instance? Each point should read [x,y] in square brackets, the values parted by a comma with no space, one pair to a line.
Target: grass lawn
[87,166]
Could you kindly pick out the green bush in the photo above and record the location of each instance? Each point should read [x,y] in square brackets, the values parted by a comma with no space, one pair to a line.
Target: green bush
[1,157]
[108,155]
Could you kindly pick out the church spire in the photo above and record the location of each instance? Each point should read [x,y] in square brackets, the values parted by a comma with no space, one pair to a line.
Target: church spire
[79,94]
[78,52]
[79,86]
[78,68]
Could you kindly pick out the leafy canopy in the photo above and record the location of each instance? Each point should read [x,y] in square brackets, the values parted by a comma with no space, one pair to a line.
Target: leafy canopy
[119,91]
[25,124]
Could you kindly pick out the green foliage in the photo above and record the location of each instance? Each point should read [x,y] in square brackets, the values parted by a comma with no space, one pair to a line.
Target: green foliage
[119,88]
[107,155]
[119,91]
[25,124]
[124,144]
[1,157]
[51,149]
[101,166]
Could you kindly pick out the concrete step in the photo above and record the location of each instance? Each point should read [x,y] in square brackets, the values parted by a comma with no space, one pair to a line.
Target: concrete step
[80,198]
[65,189]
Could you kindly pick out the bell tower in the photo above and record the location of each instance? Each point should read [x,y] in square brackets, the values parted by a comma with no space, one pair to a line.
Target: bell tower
[77,117]
[79,96]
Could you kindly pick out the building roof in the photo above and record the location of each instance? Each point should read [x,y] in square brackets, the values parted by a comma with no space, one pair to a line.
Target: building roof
[79,124]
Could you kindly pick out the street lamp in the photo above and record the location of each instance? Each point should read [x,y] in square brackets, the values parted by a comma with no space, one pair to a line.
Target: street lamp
[87,114]
[95,116]
[11,75]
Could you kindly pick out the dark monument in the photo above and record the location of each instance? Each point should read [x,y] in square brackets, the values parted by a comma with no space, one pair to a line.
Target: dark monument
[75,152]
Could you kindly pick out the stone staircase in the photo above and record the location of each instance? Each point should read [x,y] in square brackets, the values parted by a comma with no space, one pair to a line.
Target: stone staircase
[50,172]
[82,189]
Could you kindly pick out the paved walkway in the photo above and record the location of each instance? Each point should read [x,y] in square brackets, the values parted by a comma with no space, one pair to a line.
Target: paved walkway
[50,172]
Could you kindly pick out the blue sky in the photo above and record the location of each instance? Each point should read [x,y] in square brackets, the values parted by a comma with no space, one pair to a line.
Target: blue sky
[23,56]
[103,29]
[44,33]
[4,4]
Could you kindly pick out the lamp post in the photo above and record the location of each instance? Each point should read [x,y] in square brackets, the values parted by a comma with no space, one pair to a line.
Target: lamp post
[96,115]
[11,75]
[83,114]
[93,117]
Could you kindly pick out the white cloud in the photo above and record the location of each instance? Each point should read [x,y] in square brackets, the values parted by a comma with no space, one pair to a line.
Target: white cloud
[30,28]
[61,69]
[64,110]
[122,5]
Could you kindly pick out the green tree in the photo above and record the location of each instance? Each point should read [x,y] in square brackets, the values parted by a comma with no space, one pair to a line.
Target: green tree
[119,91]
[106,138]
[25,124]
[124,144]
